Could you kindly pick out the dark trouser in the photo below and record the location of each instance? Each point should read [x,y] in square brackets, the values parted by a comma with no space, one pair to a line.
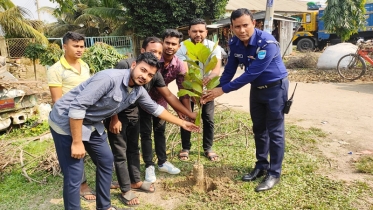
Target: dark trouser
[208,128]
[159,128]
[72,169]
[84,178]
[125,148]
[266,109]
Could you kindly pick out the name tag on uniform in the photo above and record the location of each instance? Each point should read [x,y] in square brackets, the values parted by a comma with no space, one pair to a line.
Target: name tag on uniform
[238,55]
[262,54]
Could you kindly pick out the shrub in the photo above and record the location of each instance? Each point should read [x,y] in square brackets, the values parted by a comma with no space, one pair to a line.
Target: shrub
[101,56]
[51,55]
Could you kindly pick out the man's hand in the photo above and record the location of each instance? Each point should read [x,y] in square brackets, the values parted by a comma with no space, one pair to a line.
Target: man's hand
[115,125]
[211,95]
[77,150]
[190,126]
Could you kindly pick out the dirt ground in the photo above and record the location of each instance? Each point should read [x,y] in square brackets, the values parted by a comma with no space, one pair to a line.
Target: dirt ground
[343,110]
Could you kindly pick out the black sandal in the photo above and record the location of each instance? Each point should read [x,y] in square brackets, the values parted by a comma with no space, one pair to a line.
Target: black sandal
[211,155]
[184,155]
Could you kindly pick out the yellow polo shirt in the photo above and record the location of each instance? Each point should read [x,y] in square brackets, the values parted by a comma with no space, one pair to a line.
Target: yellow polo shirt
[61,74]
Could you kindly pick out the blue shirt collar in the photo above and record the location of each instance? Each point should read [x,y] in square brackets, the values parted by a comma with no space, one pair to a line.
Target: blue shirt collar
[127,76]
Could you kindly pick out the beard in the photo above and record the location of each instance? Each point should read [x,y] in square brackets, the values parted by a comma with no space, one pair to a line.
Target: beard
[134,80]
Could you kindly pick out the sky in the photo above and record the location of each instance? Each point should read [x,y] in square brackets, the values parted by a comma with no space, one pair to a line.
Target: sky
[31,5]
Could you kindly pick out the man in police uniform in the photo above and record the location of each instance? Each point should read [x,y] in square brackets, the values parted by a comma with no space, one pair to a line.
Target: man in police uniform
[264,69]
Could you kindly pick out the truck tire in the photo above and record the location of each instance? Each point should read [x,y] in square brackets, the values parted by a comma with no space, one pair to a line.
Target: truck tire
[305,44]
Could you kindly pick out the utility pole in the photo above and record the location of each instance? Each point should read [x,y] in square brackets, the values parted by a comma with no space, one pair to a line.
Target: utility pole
[37,8]
[268,21]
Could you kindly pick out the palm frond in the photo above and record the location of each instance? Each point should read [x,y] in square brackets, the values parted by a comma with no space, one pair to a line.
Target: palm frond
[13,23]
[60,30]
[49,10]
[6,4]
[84,18]
[105,12]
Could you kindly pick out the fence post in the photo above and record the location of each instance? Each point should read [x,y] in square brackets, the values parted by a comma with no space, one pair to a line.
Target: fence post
[3,51]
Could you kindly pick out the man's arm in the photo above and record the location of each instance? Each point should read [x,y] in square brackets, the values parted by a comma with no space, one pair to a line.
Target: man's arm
[175,103]
[56,92]
[77,146]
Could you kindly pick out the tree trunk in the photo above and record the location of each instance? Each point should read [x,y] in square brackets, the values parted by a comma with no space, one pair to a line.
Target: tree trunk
[34,68]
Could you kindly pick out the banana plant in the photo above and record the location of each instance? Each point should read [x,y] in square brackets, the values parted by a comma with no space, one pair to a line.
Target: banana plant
[200,62]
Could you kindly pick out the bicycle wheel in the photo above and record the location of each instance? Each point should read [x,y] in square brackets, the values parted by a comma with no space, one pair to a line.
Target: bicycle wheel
[351,67]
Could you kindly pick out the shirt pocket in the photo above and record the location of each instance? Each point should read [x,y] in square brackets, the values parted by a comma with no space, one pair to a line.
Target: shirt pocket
[112,101]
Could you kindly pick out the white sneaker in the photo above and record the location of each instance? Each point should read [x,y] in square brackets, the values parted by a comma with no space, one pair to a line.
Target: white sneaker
[150,174]
[169,168]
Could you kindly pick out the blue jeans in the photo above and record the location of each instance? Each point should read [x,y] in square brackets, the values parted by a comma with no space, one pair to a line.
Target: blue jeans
[266,110]
[72,169]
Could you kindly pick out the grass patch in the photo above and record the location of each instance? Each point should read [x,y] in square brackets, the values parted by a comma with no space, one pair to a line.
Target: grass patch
[301,186]
[365,164]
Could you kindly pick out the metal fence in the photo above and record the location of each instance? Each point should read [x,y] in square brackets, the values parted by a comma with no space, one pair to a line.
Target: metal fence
[123,44]
[16,46]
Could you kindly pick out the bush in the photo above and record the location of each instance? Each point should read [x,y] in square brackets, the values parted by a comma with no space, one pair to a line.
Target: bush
[101,56]
[33,51]
[51,55]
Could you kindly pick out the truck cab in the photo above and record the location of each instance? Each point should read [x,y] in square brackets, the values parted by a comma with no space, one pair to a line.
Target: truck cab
[306,35]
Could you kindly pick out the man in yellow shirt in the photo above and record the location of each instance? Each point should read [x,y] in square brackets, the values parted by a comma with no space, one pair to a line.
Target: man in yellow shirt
[66,74]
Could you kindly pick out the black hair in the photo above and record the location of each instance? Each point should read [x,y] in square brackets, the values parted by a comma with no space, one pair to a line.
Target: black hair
[149,58]
[151,39]
[72,36]
[197,21]
[240,12]
[172,33]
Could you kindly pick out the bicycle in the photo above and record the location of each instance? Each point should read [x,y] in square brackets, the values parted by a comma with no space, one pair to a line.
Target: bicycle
[353,66]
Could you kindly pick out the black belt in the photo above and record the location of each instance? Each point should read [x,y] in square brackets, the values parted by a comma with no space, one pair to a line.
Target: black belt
[270,84]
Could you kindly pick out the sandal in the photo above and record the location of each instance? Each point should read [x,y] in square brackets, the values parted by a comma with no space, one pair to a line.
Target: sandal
[83,194]
[145,187]
[211,155]
[184,155]
[125,199]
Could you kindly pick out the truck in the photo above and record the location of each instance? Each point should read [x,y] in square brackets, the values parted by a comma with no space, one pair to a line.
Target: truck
[312,35]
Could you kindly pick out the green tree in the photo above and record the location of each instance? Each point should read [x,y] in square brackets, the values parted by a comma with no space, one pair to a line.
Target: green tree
[147,17]
[344,17]
[14,22]
[89,17]
[33,51]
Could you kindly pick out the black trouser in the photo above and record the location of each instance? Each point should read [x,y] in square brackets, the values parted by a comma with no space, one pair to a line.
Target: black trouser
[159,128]
[208,128]
[125,149]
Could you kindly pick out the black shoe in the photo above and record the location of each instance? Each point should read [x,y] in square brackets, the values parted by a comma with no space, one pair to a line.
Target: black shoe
[256,173]
[268,183]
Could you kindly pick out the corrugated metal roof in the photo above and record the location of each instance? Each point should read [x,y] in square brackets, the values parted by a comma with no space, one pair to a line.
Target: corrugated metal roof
[287,6]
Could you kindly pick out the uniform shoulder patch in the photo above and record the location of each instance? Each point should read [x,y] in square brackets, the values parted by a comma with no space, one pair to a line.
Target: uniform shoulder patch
[262,54]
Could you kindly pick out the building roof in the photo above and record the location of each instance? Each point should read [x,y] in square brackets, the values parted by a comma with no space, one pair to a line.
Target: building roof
[281,6]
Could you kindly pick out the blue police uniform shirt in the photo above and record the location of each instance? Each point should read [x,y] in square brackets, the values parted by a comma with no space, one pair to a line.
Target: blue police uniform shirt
[262,60]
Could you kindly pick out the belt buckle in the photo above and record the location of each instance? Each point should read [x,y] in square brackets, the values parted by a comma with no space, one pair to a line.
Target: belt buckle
[262,87]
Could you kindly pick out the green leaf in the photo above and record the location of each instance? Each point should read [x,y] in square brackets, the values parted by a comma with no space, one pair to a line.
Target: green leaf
[197,87]
[187,84]
[202,52]
[192,63]
[211,65]
[196,79]
[183,92]
[213,83]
